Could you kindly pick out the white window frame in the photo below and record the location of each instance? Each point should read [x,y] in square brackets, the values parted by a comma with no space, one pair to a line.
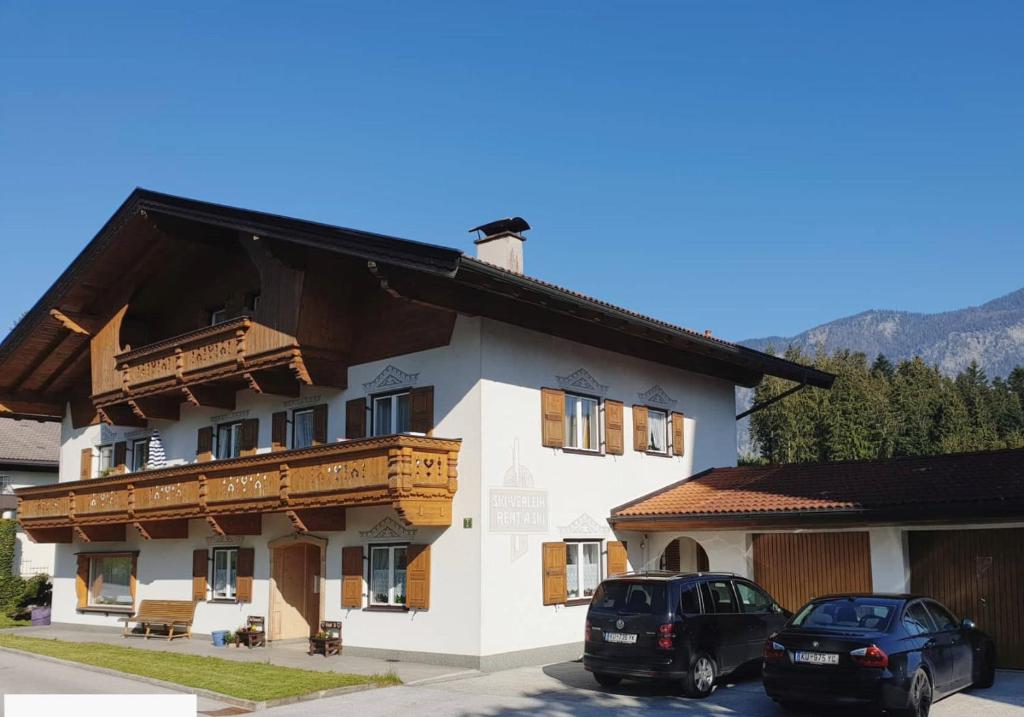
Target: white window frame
[231,583]
[576,444]
[393,418]
[392,600]
[665,437]
[233,428]
[135,447]
[6,484]
[218,315]
[107,450]
[577,545]
[295,423]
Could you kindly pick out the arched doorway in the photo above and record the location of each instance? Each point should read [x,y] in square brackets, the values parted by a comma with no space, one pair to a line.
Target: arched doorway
[684,555]
[297,567]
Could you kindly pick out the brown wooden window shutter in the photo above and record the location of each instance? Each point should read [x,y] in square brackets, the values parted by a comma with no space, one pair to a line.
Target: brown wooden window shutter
[85,464]
[250,436]
[204,444]
[613,437]
[417,596]
[82,582]
[617,561]
[279,430]
[320,424]
[552,416]
[555,592]
[243,584]
[678,441]
[355,418]
[199,571]
[421,404]
[120,456]
[640,436]
[352,577]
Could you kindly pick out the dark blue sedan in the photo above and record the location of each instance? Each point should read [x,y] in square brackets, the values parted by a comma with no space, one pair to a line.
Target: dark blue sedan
[899,653]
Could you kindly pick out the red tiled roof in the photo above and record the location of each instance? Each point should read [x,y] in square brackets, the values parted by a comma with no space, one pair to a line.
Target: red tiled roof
[992,480]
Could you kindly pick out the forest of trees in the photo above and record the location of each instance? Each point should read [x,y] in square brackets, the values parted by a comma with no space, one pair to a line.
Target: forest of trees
[880,410]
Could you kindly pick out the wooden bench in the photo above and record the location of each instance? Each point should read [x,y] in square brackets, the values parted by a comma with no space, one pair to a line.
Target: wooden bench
[167,614]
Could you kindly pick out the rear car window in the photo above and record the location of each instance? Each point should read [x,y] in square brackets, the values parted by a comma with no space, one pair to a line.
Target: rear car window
[864,613]
[689,601]
[635,598]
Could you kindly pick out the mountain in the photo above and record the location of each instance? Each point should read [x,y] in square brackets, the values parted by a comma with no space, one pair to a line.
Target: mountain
[992,334]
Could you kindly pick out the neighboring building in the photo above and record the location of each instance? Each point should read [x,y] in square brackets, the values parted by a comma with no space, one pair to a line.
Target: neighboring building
[276,417]
[949,526]
[28,457]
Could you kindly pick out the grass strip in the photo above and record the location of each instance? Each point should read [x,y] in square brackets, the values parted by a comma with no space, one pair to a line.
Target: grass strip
[257,681]
[8,622]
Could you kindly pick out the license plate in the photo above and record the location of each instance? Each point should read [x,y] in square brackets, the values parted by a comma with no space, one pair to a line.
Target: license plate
[817,658]
[622,637]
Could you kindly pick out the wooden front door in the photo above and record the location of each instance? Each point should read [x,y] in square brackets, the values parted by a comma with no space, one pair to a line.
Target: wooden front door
[295,607]
[795,567]
[978,574]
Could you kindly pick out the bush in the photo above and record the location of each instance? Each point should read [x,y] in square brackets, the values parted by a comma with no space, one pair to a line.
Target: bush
[17,593]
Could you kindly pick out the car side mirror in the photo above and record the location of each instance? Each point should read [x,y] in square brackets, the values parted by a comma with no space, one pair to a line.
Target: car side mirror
[968,624]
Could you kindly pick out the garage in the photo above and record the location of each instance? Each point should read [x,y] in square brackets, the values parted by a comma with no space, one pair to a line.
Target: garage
[795,567]
[978,574]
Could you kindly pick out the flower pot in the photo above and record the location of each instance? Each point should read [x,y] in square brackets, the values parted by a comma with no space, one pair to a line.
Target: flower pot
[219,637]
[41,615]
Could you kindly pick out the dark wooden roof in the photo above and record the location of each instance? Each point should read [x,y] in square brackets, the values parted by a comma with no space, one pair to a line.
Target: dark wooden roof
[42,363]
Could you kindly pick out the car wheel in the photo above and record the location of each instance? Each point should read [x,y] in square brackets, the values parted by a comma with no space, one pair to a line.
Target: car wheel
[606,680]
[920,698]
[700,679]
[987,672]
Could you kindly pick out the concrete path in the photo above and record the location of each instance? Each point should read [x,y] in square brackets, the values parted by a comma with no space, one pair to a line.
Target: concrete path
[26,675]
[566,690]
[290,653]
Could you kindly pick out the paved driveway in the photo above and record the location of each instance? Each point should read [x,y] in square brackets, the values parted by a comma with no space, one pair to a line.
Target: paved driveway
[565,690]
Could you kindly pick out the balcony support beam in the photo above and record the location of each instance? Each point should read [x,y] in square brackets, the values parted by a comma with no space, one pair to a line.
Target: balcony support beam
[241,524]
[162,529]
[273,384]
[210,396]
[167,408]
[105,533]
[50,535]
[121,414]
[310,520]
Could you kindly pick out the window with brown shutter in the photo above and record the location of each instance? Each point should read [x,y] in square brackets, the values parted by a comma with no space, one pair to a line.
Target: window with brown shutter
[640,436]
[678,446]
[82,582]
[613,430]
[243,578]
[618,562]
[352,577]
[199,572]
[250,436]
[120,456]
[204,444]
[421,406]
[417,576]
[355,418]
[85,464]
[554,582]
[552,416]
[320,424]
[279,431]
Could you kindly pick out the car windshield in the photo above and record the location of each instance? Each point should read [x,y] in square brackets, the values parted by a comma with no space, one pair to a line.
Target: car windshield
[859,614]
[636,598]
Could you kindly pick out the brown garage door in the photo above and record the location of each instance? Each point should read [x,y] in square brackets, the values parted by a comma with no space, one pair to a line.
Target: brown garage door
[795,567]
[978,574]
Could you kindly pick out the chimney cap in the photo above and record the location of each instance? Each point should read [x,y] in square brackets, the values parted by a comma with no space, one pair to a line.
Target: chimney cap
[511,225]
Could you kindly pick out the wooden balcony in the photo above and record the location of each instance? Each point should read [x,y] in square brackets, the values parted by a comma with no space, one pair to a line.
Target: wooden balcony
[415,475]
[203,367]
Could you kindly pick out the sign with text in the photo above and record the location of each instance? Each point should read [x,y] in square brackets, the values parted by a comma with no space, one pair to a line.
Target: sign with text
[518,510]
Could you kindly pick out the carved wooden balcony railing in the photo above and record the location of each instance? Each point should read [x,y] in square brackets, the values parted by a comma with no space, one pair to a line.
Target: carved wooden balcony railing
[236,349]
[415,475]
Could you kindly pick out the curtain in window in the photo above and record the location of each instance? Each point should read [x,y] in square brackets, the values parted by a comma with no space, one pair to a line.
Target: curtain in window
[403,416]
[303,437]
[111,580]
[382,416]
[656,428]
[380,569]
[591,568]
[589,423]
[572,570]
[400,576]
[571,421]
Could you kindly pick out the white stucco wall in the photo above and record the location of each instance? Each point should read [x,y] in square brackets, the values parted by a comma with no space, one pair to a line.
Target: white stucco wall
[580,490]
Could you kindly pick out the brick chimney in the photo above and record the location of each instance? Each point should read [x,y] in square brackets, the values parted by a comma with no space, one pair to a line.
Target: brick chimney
[501,243]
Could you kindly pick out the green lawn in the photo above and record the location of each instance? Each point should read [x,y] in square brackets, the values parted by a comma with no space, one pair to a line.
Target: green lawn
[248,680]
[8,622]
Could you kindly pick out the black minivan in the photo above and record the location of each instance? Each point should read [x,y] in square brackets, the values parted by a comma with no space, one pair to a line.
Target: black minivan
[690,627]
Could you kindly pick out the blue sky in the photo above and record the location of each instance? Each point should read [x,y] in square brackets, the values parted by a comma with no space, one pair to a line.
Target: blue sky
[753,168]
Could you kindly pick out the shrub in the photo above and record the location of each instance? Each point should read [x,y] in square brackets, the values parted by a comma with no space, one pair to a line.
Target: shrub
[17,593]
